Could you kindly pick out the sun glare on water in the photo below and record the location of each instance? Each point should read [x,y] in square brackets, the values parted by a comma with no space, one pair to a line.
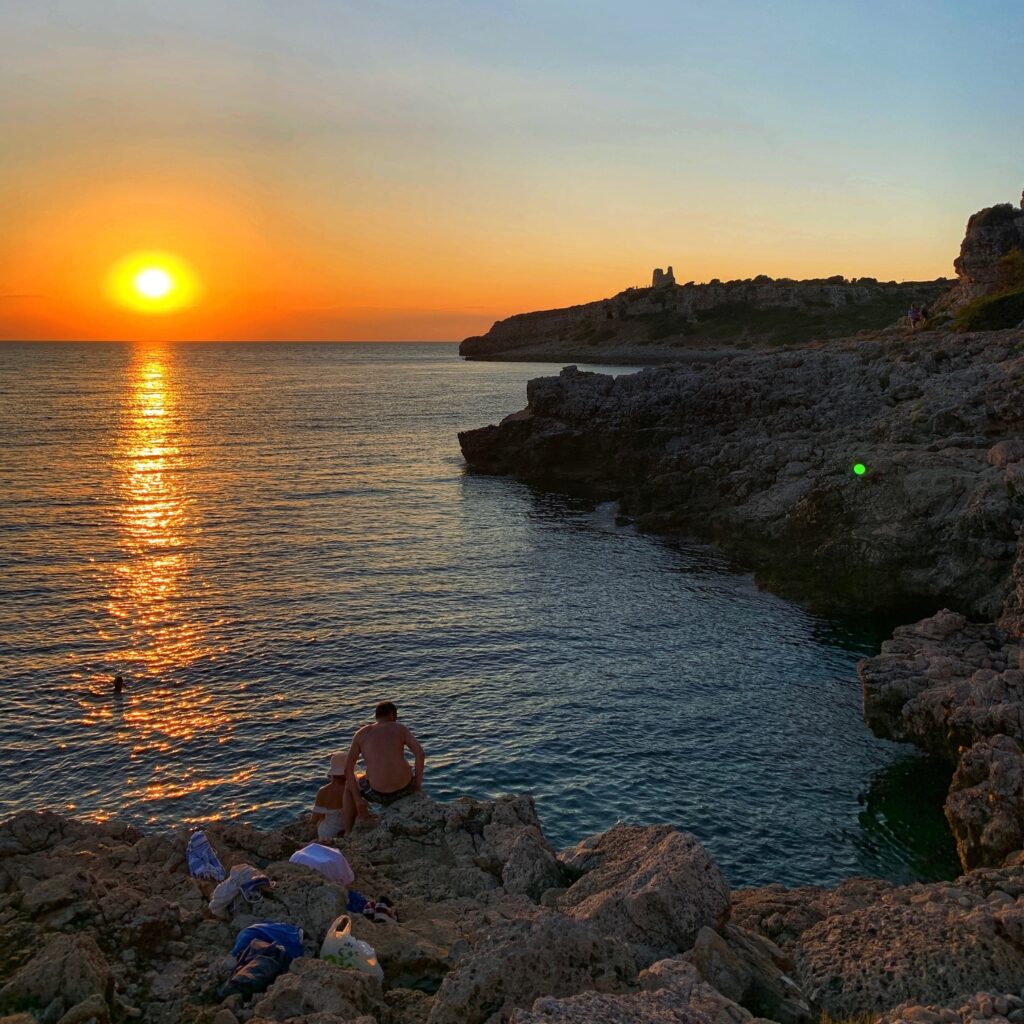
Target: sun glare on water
[153,282]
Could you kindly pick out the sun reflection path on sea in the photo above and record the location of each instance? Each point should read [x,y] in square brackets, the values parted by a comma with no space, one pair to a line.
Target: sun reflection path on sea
[149,627]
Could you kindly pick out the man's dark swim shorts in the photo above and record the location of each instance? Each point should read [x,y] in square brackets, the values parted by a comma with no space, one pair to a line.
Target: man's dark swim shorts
[371,795]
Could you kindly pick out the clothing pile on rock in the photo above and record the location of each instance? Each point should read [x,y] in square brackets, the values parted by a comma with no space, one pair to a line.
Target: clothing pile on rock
[380,911]
[262,951]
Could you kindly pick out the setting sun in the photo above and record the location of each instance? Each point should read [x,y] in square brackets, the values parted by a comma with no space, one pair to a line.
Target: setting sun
[153,282]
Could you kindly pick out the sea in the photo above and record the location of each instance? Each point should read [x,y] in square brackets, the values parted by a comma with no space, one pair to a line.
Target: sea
[265,540]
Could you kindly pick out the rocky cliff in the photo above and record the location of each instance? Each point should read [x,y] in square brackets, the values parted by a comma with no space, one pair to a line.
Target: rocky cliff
[992,234]
[882,475]
[100,923]
[756,453]
[670,322]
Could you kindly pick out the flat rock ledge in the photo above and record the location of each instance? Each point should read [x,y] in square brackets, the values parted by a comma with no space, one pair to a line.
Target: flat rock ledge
[102,923]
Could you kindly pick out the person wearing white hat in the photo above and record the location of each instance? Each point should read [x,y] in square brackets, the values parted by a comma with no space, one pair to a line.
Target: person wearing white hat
[330,799]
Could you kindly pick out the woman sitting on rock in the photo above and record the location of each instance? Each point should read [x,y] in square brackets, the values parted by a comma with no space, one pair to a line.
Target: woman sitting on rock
[327,809]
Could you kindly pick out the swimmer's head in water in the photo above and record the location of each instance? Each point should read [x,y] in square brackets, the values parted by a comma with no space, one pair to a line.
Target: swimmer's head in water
[118,684]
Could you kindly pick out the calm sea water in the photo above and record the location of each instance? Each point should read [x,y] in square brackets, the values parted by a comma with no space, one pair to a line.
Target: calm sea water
[268,539]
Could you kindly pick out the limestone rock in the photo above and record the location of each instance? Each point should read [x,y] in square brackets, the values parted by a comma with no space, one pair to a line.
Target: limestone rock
[532,867]
[653,887]
[414,954]
[442,851]
[985,806]
[945,683]
[406,1006]
[93,1010]
[68,968]
[982,1006]
[300,896]
[316,987]
[991,234]
[320,1018]
[672,993]
[748,969]
[664,322]
[872,959]
[519,961]
[755,453]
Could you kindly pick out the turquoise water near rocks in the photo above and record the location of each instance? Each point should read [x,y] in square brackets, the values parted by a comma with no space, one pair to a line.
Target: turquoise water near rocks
[267,539]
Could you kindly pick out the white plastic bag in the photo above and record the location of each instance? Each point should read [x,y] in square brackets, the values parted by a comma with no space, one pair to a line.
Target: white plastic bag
[329,862]
[341,947]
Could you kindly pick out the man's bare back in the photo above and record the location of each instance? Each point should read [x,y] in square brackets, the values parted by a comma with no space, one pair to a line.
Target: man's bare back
[382,747]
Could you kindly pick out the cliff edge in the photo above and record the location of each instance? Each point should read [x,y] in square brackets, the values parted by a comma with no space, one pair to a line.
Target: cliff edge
[671,322]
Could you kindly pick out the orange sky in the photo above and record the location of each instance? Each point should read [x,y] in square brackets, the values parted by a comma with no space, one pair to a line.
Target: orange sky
[365,171]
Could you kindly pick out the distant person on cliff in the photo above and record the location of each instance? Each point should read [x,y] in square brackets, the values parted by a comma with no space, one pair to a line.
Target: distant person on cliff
[329,806]
[914,316]
[388,776]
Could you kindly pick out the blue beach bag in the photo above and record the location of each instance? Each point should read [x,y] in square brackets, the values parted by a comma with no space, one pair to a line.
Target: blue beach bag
[202,861]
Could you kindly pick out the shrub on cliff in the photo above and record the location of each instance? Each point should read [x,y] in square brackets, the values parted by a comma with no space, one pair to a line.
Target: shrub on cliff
[1010,271]
[993,216]
[992,312]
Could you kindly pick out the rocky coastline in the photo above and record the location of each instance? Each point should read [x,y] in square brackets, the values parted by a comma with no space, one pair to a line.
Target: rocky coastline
[101,923]
[878,474]
[673,323]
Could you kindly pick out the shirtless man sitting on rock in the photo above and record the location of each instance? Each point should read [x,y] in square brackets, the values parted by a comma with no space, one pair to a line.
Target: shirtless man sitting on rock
[388,776]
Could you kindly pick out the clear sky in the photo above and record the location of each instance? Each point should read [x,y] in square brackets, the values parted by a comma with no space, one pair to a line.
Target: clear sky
[415,169]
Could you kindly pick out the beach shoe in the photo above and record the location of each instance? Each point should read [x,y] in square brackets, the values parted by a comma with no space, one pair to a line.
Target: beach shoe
[385,912]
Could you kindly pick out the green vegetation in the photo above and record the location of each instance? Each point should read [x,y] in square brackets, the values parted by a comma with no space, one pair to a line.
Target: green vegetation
[783,326]
[667,325]
[992,312]
[1010,271]
[993,216]
[860,1018]
[1004,309]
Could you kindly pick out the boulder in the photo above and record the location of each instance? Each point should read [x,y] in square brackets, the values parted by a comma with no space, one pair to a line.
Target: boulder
[672,993]
[415,954]
[406,1006]
[748,969]
[438,851]
[982,1006]
[653,887]
[985,806]
[319,1018]
[517,961]
[300,896]
[531,867]
[93,1010]
[68,969]
[317,987]
[942,947]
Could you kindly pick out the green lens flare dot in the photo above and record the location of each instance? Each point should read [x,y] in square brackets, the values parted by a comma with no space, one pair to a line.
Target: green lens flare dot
[859,468]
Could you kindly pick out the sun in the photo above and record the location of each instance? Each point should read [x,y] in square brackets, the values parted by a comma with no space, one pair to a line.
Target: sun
[153,282]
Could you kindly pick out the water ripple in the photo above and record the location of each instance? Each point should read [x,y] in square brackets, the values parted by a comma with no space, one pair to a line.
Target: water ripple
[267,539]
